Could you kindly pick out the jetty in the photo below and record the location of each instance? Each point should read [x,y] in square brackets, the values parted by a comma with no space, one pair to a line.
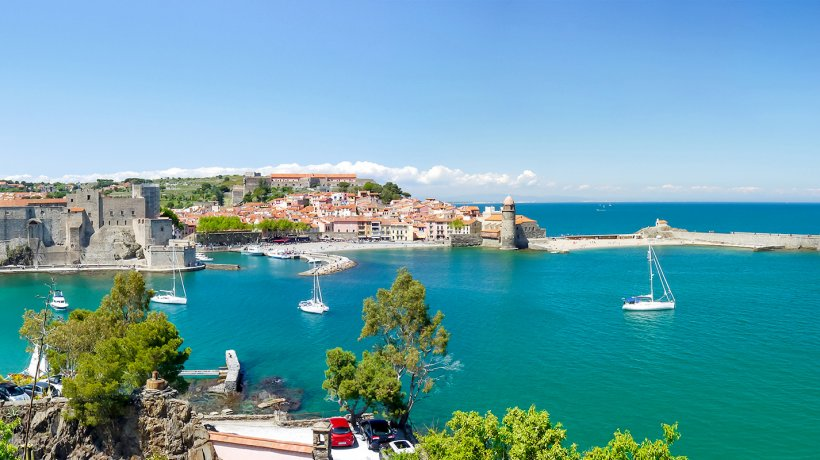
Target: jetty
[228,267]
[664,235]
[231,373]
[330,263]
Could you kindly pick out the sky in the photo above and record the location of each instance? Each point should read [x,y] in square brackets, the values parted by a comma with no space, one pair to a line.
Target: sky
[545,100]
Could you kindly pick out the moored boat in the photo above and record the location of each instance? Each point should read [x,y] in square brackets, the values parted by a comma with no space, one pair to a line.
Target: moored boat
[647,302]
[315,304]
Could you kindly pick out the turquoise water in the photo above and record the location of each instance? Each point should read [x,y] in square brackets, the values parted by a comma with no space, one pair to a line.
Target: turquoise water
[736,364]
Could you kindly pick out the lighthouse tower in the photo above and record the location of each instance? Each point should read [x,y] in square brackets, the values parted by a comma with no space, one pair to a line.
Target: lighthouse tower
[508,224]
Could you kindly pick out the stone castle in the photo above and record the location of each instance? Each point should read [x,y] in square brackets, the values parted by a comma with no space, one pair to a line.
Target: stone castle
[89,228]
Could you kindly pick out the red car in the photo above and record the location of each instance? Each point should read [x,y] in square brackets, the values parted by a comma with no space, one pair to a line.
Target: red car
[340,432]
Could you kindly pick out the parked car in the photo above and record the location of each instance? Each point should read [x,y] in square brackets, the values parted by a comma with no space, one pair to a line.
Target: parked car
[40,389]
[377,431]
[340,433]
[56,384]
[11,392]
[399,446]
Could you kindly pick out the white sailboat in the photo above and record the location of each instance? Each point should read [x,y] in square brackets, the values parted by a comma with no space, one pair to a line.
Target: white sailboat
[38,364]
[648,301]
[171,297]
[315,304]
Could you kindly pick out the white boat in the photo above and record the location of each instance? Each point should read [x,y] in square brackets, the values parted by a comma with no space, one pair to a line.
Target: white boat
[648,302]
[171,297]
[282,254]
[56,299]
[253,250]
[203,258]
[315,304]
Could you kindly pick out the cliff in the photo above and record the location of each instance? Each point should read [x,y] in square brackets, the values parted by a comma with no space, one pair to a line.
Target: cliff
[155,423]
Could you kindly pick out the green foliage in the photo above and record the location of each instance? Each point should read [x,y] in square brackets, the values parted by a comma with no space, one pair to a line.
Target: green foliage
[19,255]
[282,226]
[529,435]
[8,451]
[388,192]
[220,224]
[102,183]
[128,301]
[167,212]
[343,186]
[119,365]
[457,224]
[623,446]
[414,343]
[361,386]
[55,194]
[106,354]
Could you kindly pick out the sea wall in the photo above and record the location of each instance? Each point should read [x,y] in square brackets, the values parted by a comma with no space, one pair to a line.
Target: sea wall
[463,241]
[155,423]
[753,240]
[228,238]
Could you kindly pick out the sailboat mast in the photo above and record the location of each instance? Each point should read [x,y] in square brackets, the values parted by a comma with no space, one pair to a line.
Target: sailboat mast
[651,275]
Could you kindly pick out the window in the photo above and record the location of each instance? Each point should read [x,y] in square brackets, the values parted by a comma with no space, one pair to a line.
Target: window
[88,197]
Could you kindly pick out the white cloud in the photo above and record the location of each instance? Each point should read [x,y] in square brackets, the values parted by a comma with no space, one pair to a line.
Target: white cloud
[746,189]
[405,176]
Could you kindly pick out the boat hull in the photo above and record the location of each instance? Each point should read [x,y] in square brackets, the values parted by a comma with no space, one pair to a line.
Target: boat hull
[309,306]
[59,306]
[648,306]
[169,299]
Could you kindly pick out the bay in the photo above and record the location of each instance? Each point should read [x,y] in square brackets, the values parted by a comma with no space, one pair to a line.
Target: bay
[735,364]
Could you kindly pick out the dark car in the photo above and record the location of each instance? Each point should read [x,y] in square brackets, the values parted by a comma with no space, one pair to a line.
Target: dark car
[340,433]
[377,431]
[36,390]
[11,392]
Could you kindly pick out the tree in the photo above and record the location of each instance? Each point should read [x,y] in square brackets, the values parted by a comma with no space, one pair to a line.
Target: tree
[8,451]
[220,224]
[343,186]
[129,301]
[457,224]
[107,353]
[167,212]
[361,386]
[414,343]
[529,435]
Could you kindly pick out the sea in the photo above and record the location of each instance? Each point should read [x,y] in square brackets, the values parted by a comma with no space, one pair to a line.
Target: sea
[736,364]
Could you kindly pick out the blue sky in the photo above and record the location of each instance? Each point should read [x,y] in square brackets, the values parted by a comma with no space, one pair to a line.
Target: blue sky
[637,100]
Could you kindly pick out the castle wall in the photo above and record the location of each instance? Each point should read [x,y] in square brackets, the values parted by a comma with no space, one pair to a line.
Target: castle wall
[122,211]
[91,201]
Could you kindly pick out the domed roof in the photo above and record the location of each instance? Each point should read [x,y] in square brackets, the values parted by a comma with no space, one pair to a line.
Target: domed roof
[508,201]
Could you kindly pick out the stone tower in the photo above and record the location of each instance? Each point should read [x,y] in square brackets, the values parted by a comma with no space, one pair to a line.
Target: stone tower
[508,224]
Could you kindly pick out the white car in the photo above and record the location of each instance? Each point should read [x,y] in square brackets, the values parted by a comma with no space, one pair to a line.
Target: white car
[400,446]
[11,392]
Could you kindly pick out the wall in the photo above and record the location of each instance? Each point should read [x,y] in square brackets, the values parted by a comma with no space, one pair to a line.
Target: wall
[465,240]
[228,238]
[752,239]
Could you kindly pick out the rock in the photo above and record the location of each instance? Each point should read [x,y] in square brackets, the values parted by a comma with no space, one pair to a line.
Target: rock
[227,411]
[270,402]
[154,423]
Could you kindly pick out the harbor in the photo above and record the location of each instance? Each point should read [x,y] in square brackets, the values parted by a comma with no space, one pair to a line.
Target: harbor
[533,300]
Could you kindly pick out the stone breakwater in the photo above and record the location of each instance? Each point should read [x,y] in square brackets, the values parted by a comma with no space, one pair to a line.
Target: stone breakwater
[667,236]
[330,263]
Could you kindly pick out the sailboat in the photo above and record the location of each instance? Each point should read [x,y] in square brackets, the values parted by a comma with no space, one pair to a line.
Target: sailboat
[648,301]
[38,364]
[56,299]
[171,296]
[315,304]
